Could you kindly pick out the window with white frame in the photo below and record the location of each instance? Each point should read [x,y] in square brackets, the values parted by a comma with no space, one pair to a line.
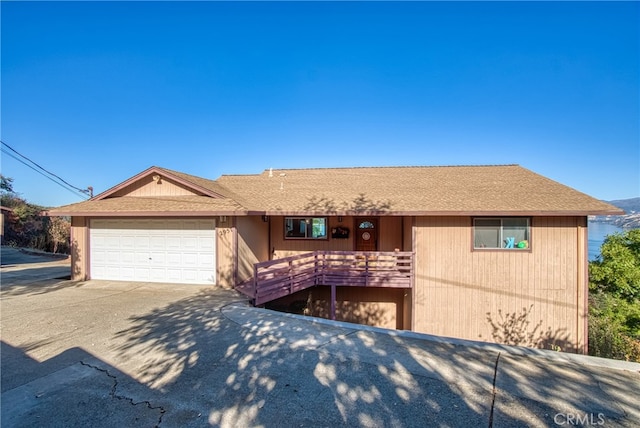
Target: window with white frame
[508,233]
[305,228]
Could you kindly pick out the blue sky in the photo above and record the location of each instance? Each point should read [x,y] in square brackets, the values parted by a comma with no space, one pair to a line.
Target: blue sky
[97,92]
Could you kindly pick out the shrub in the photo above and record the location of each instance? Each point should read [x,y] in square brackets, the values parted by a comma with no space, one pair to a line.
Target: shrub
[614,327]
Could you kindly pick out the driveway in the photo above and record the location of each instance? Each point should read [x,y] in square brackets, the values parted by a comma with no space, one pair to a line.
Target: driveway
[21,267]
[117,354]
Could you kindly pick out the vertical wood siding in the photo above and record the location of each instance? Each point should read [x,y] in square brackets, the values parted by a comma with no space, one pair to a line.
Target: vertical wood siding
[583,285]
[530,297]
[79,248]
[253,245]
[378,307]
[406,224]
[289,247]
[373,306]
[226,252]
[390,237]
[147,187]
[389,233]
[407,234]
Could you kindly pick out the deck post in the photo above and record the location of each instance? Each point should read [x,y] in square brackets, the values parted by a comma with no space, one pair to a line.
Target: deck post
[255,284]
[366,270]
[315,268]
[333,302]
[290,277]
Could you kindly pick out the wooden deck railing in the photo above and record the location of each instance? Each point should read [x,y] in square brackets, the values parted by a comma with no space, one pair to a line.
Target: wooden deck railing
[278,278]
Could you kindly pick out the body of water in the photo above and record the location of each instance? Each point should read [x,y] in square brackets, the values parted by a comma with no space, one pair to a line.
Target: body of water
[597,233]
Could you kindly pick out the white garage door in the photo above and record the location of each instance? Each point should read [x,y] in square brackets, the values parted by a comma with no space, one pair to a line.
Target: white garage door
[155,250]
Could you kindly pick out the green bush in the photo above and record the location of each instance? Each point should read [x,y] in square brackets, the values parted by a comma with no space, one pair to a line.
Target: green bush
[613,328]
[617,269]
[614,300]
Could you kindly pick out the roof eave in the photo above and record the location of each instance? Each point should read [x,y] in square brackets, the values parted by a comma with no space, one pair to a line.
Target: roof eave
[523,213]
[230,213]
[467,213]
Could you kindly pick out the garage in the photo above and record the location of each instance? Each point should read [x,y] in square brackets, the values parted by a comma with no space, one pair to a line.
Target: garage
[153,250]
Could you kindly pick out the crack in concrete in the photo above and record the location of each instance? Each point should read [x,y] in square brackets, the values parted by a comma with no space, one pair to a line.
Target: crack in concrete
[114,395]
[494,392]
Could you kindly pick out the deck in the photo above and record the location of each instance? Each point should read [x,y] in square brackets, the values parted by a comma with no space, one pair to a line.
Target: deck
[278,278]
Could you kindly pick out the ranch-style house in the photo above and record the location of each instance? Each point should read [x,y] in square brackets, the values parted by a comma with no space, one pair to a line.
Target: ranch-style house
[490,253]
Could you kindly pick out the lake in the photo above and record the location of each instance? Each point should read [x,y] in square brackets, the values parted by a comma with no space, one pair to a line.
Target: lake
[597,233]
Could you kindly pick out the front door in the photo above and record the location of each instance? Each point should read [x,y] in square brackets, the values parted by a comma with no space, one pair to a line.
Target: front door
[366,234]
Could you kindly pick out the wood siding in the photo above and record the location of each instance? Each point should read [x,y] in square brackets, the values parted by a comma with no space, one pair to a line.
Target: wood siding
[253,245]
[390,237]
[582,298]
[407,234]
[354,304]
[226,252]
[79,249]
[533,297]
[146,186]
[378,307]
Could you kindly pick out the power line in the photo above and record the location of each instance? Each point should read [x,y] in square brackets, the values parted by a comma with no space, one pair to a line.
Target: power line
[43,169]
[39,172]
[44,172]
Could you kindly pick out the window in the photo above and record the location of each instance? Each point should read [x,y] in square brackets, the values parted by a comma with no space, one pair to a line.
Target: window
[305,227]
[511,233]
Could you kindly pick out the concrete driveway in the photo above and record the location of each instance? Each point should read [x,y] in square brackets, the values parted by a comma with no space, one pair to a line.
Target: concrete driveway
[114,354]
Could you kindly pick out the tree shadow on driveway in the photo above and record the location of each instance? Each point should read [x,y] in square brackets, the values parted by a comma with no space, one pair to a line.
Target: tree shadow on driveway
[236,365]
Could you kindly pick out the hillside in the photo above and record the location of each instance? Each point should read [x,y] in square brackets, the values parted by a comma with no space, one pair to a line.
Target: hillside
[630,220]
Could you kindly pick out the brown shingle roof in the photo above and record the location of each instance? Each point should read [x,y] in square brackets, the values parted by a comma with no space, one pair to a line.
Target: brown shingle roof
[211,185]
[438,190]
[506,189]
[152,206]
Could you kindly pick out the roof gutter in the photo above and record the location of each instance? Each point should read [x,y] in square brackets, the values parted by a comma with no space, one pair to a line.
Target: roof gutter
[540,213]
[55,213]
